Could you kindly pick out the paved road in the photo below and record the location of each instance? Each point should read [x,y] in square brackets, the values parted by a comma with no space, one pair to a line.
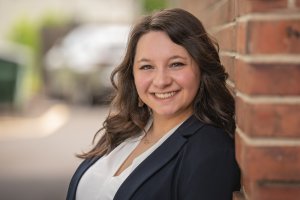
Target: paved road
[38,165]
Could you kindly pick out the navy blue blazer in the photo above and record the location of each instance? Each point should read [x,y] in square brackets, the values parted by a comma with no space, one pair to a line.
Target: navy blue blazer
[197,162]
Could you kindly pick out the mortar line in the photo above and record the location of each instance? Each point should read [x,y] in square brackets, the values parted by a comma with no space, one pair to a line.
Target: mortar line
[261,99]
[268,142]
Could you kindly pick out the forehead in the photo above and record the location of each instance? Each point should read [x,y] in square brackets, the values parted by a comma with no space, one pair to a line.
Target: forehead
[158,44]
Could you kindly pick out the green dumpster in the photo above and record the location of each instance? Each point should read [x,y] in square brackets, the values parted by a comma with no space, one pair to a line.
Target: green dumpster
[8,81]
[11,79]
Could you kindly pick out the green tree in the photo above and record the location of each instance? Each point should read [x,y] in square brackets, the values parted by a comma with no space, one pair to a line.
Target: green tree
[152,5]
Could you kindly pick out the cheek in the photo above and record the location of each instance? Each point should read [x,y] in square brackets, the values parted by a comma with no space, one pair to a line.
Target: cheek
[142,82]
[190,81]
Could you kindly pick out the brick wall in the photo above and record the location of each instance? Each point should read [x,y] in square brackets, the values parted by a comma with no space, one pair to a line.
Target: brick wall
[259,46]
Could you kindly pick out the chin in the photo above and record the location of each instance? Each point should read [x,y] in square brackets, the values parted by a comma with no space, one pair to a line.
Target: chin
[166,114]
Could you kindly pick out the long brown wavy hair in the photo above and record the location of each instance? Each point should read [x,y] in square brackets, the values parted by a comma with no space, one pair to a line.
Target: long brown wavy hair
[213,103]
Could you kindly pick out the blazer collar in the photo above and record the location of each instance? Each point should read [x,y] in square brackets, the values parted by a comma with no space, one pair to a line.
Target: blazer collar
[158,158]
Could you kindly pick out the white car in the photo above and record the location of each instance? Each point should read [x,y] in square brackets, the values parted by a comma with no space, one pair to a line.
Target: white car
[79,67]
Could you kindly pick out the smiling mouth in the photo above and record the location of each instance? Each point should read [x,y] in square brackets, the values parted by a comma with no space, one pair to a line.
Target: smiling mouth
[164,95]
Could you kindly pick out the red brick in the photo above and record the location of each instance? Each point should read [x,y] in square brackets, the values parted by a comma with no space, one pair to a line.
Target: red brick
[229,63]
[269,37]
[268,120]
[241,35]
[267,163]
[232,10]
[227,38]
[218,14]
[199,8]
[284,37]
[247,185]
[267,79]
[271,190]
[276,190]
[195,5]
[256,6]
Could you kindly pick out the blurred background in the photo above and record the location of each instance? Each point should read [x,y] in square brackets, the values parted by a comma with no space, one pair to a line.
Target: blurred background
[56,58]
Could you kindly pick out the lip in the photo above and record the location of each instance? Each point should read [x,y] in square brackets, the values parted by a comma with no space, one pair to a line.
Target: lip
[165,95]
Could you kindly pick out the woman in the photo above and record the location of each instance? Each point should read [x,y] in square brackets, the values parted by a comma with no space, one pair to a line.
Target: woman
[169,134]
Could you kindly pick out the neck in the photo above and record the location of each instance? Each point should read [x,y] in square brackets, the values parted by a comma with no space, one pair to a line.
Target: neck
[161,125]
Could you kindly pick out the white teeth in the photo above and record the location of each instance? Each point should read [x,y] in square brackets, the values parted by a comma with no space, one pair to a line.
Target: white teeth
[164,95]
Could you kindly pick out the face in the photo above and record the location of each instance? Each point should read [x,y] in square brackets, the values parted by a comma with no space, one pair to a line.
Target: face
[166,77]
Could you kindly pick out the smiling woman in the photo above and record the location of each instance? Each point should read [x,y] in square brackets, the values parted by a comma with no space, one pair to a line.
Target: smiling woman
[169,134]
[166,77]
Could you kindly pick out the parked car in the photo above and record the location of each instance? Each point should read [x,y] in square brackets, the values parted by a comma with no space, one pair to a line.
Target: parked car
[78,68]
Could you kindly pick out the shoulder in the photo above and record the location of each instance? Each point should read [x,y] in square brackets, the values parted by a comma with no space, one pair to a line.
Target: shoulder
[210,138]
[207,167]
[197,132]
[209,149]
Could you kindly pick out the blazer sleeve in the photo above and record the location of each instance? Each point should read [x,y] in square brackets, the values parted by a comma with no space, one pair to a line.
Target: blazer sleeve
[208,167]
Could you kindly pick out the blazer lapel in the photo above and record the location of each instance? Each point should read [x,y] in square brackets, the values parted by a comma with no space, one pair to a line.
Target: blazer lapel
[158,158]
[77,176]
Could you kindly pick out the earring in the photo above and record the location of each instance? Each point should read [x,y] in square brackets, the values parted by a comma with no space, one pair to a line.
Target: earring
[140,103]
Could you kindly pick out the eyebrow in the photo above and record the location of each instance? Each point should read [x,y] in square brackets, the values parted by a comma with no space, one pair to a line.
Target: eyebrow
[171,58]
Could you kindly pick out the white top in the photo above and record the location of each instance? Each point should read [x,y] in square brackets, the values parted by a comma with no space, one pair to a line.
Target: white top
[99,182]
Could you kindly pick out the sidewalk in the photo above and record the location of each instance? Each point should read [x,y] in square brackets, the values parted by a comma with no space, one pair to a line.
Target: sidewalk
[40,118]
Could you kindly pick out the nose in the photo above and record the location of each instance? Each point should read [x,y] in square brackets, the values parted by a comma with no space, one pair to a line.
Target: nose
[162,78]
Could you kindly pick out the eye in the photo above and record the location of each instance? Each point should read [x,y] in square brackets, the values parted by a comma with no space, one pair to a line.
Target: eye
[145,67]
[177,64]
